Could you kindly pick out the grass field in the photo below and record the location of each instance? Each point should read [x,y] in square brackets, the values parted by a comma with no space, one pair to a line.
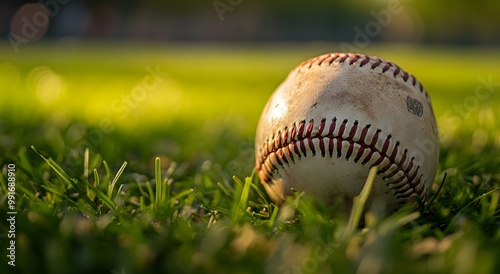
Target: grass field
[139,158]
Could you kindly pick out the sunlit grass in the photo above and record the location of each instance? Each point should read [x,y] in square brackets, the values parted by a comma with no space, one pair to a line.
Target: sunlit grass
[164,182]
[213,81]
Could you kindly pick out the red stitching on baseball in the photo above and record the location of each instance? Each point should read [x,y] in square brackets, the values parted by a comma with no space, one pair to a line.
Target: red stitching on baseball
[343,58]
[330,58]
[354,59]
[386,67]
[278,152]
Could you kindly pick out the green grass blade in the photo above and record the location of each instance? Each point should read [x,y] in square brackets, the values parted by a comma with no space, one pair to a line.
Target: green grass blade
[495,197]
[142,203]
[274,213]
[170,170]
[168,180]
[151,193]
[25,163]
[3,185]
[394,222]
[458,214]
[115,179]
[107,178]
[103,197]
[142,191]
[182,195]
[60,194]
[359,205]
[254,185]
[64,176]
[244,193]
[240,209]
[86,156]
[224,189]
[158,183]
[96,178]
[238,187]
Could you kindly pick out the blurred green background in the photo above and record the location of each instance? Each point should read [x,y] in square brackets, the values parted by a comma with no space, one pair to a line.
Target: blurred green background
[187,81]
[462,21]
[203,91]
[132,80]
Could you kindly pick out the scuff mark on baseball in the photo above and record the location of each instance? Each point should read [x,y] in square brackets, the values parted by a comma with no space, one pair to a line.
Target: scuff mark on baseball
[339,114]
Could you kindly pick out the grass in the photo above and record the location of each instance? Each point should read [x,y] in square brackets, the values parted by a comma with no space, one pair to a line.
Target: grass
[165,183]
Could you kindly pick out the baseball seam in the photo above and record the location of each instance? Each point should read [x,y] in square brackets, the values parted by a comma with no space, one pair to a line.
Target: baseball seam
[292,144]
[362,60]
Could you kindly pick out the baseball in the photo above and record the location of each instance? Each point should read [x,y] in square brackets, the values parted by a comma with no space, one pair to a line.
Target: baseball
[338,115]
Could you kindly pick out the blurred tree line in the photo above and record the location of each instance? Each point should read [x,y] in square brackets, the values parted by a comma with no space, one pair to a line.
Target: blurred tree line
[459,21]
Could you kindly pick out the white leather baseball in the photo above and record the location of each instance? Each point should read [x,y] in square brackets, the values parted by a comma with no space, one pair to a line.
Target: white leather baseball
[339,114]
